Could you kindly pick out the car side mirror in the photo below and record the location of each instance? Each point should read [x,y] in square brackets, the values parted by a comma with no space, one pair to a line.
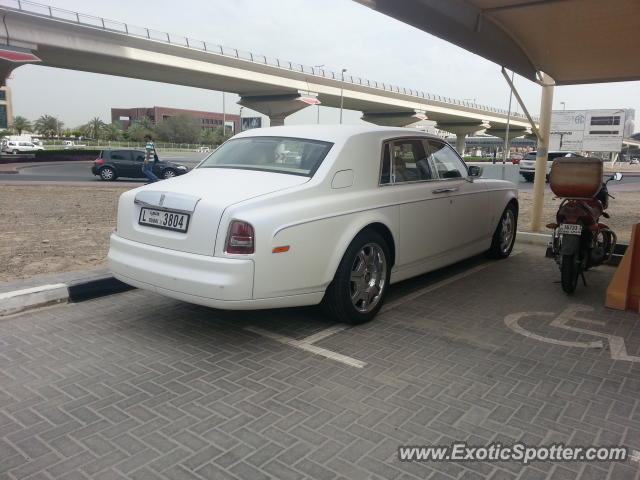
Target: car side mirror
[617,176]
[475,171]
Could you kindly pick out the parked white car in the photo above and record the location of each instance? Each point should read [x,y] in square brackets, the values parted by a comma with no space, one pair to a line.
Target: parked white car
[355,209]
[528,163]
[16,147]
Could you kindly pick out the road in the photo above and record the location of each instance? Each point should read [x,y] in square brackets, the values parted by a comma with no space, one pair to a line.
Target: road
[81,172]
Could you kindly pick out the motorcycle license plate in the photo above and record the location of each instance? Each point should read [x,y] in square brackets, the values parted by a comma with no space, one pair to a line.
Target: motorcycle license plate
[570,229]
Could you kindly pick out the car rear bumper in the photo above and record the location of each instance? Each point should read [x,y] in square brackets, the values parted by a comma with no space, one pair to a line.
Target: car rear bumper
[202,276]
[211,281]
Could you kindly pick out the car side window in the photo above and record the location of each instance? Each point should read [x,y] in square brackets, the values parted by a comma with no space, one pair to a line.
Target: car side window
[409,161]
[139,157]
[120,155]
[447,162]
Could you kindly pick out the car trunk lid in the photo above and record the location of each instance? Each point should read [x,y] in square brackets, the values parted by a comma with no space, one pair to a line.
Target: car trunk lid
[197,201]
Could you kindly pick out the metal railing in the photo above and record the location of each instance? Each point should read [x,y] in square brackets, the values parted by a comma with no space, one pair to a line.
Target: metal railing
[150,34]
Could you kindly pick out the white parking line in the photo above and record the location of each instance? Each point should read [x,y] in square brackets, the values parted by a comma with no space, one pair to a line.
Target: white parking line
[307,344]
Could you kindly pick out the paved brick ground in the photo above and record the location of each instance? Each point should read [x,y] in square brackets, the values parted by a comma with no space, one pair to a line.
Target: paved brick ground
[140,386]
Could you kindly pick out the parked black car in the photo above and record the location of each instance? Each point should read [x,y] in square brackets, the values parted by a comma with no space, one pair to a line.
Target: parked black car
[112,164]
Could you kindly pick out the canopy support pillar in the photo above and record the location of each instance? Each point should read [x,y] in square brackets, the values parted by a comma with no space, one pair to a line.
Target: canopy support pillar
[546,102]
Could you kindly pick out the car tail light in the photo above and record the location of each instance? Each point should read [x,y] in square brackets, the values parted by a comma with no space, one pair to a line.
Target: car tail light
[240,238]
[99,161]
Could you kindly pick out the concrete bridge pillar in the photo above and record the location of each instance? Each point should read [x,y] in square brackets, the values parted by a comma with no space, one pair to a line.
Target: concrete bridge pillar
[461,130]
[513,133]
[278,107]
[11,58]
[394,119]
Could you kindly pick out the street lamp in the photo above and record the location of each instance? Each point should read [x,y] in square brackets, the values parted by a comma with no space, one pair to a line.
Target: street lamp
[342,94]
[318,119]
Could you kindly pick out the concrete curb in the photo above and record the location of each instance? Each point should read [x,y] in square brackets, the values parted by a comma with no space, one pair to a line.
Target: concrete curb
[21,300]
[533,238]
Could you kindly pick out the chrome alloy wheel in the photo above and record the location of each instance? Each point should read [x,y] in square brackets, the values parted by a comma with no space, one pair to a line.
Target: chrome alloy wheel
[368,277]
[507,230]
[106,174]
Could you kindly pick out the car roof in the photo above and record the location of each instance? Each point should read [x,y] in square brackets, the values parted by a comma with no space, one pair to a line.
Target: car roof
[123,150]
[332,133]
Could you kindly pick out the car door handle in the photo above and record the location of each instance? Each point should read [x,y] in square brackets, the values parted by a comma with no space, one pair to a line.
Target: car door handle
[445,190]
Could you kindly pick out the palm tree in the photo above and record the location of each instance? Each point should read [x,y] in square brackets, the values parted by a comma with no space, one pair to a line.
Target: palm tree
[20,124]
[48,125]
[95,128]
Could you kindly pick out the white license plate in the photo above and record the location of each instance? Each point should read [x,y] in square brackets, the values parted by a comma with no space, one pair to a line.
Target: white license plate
[161,219]
[570,229]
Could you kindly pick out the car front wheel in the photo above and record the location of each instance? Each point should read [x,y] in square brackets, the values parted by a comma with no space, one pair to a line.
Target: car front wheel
[505,234]
[107,174]
[361,281]
[168,173]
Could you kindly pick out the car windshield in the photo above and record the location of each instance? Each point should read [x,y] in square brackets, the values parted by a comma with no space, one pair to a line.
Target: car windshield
[295,156]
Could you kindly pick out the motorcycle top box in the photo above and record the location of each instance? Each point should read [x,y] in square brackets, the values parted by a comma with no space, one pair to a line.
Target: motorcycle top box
[576,177]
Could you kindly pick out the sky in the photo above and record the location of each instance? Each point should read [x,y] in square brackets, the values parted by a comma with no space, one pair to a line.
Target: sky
[335,33]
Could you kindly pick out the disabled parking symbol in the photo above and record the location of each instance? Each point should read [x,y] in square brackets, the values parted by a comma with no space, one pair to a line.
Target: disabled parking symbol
[572,313]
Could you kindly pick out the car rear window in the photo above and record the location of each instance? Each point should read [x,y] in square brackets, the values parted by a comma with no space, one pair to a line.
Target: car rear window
[530,156]
[294,156]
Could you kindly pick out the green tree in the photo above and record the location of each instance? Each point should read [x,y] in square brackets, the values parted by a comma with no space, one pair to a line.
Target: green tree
[179,129]
[140,128]
[113,131]
[48,125]
[213,136]
[94,129]
[20,124]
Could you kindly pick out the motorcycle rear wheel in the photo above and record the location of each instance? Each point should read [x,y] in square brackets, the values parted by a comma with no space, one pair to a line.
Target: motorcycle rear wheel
[569,272]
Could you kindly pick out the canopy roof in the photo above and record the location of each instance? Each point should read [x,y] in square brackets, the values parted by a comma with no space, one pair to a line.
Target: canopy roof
[573,41]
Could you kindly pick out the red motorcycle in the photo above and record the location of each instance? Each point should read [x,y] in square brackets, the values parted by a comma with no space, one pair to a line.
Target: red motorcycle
[579,240]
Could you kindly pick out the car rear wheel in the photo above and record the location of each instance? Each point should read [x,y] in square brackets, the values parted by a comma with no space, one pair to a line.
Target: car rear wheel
[168,173]
[16,152]
[361,281]
[107,174]
[505,234]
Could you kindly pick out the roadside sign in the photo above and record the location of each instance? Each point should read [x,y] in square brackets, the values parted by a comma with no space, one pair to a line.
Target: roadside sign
[587,130]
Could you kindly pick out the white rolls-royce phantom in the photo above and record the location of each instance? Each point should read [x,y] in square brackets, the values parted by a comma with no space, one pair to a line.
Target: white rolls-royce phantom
[305,215]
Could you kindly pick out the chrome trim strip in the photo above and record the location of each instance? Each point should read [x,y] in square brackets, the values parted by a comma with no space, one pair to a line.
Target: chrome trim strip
[163,209]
